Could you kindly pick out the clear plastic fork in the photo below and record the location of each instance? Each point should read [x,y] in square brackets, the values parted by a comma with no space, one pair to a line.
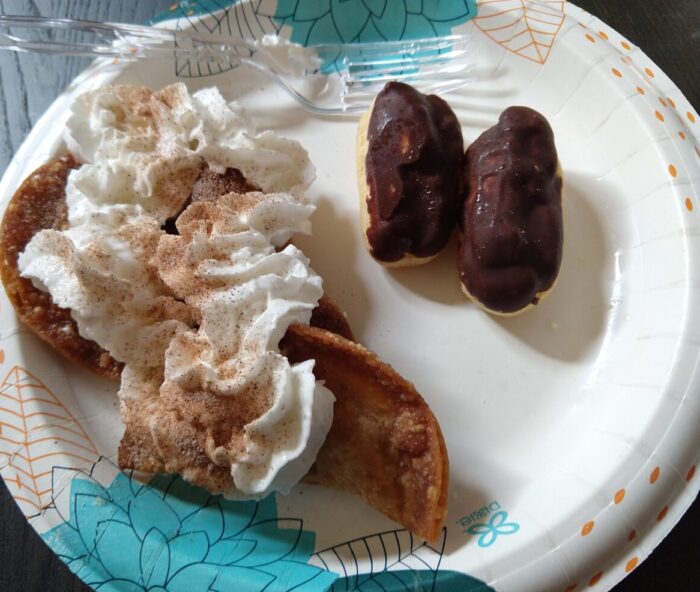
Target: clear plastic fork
[330,79]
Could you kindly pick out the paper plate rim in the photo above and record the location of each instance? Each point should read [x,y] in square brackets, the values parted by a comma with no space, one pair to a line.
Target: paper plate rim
[683,491]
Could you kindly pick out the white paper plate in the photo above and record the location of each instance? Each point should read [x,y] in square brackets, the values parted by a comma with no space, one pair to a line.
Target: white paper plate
[572,429]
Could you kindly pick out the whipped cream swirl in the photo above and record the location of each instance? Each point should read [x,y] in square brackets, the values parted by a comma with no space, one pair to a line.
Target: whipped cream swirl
[225,264]
[143,150]
[203,310]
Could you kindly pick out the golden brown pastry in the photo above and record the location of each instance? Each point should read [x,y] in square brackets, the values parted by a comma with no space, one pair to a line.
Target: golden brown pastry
[40,203]
[385,445]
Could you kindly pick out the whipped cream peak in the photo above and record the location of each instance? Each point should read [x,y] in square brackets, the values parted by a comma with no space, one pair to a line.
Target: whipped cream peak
[272,217]
[146,149]
[224,264]
[112,292]
[197,316]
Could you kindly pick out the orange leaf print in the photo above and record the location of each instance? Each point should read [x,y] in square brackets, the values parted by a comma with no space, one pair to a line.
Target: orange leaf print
[37,433]
[524,28]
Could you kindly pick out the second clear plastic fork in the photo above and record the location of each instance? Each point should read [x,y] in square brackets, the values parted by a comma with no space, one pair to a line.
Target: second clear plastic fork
[328,79]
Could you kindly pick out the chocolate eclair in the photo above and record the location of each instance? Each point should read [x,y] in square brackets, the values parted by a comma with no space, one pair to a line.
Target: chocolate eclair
[511,223]
[409,161]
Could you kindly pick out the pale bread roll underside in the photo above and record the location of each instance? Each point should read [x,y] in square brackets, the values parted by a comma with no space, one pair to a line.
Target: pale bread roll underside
[361,147]
[540,295]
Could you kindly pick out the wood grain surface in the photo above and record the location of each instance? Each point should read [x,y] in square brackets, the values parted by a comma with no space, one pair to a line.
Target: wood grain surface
[667,30]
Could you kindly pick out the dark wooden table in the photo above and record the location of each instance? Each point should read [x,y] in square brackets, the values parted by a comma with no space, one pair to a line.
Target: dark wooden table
[667,30]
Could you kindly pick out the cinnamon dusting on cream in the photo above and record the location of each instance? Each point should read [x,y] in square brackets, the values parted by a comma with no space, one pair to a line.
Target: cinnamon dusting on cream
[197,315]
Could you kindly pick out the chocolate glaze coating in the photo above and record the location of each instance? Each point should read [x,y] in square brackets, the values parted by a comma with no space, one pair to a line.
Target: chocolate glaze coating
[413,170]
[512,218]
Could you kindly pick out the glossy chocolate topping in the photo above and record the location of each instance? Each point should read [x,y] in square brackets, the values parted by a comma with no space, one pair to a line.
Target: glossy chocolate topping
[413,169]
[512,220]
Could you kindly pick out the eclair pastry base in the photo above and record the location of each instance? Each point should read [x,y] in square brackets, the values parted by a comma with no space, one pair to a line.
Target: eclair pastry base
[540,297]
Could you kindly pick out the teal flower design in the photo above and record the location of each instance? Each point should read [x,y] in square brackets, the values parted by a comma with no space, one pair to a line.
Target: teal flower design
[169,535]
[336,21]
[350,21]
[497,525]
[316,22]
